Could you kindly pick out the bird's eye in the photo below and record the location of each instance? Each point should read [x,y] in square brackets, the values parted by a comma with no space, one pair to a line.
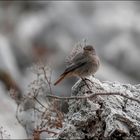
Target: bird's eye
[89,48]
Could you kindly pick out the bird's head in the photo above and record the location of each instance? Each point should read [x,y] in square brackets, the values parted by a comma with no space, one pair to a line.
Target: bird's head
[89,49]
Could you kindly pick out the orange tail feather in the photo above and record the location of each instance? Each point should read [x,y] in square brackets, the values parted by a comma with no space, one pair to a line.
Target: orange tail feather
[60,79]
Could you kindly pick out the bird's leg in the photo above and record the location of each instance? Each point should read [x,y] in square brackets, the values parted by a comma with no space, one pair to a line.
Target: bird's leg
[84,80]
[90,80]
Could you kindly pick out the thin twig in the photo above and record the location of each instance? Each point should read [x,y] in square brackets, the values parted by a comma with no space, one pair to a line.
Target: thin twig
[42,116]
[17,114]
[93,95]
[38,110]
[39,102]
[46,130]
[49,83]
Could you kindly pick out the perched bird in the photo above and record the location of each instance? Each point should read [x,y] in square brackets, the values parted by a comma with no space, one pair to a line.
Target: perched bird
[83,64]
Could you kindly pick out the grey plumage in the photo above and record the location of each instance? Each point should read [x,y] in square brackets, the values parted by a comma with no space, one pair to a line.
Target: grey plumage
[83,64]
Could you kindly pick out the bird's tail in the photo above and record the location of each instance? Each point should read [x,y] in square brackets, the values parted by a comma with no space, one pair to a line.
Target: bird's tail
[60,79]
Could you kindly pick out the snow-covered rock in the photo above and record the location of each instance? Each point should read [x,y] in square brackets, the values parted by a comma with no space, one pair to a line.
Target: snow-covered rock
[103,117]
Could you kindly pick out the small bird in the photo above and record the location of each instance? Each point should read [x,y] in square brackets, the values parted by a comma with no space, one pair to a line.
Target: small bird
[83,64]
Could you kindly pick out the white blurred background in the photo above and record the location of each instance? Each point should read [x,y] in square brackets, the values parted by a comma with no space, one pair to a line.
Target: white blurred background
[31,30]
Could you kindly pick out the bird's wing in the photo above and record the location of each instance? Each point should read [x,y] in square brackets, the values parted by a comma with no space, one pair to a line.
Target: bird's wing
[78,57]
[78,61]
[74,66]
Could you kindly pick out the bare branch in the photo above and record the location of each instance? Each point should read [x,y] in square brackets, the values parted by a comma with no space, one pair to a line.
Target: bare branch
[93,95]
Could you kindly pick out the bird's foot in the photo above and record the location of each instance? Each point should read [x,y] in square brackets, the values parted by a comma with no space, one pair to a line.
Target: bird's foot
[84,80]
[89,80]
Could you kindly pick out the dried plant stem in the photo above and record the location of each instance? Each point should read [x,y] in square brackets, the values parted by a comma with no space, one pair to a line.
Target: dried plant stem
[93,95]
[46,130]
[48,81]
[39,102]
